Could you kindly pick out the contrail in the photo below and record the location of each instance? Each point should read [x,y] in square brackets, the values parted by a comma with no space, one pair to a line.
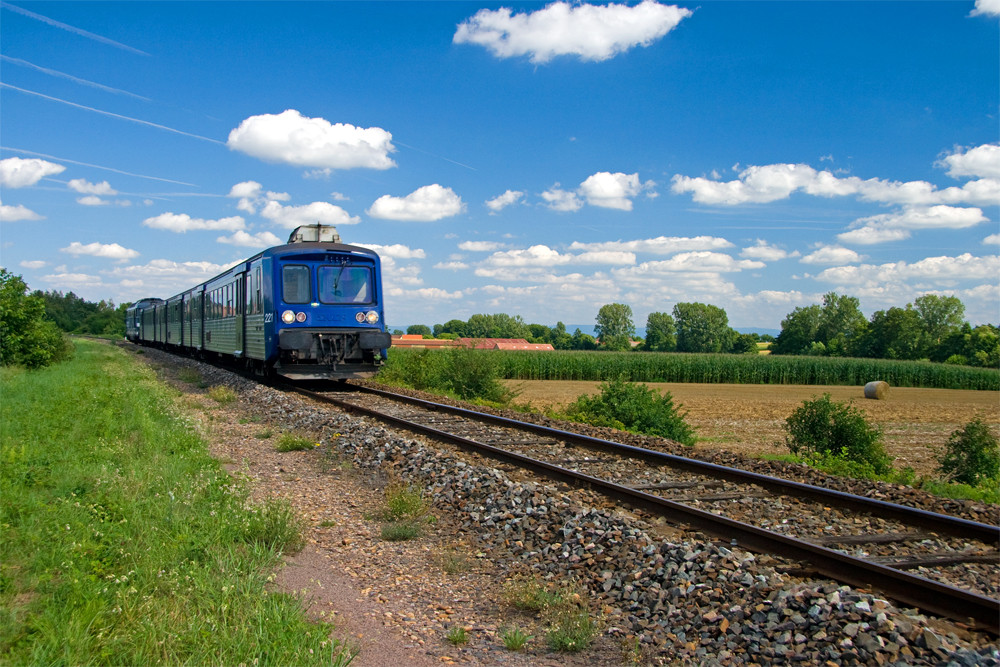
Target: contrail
[69,28]
[84,82]
[94,166]
[113,115]
[440,157]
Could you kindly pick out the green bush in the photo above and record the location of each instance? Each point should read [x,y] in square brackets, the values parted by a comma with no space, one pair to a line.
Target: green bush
[972,455]
[26,337]
[827,427]
[635,408]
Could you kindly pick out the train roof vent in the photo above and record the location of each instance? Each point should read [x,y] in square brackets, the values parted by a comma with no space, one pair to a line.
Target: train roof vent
[315,234]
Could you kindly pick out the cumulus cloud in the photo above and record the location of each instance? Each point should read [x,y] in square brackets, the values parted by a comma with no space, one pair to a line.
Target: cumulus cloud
[766,252]
[252,196]
[92,200]
[768,183]
[992,239]
[896,226]
[74,280]
[34,264]
[182,222]
[18,172]
[109,250]
[831,255]
[395,251]
[590,32]
[986,8]
[426,204]
[604,189]
[501,202]
[451,266]
[479,246]
[246,240]
[941,270]
[17,213]
[84,187]
[292,138]
[661,245]
[979,162]
[322,212]
[187,273]
[536,255]
[613,190]
[561,200]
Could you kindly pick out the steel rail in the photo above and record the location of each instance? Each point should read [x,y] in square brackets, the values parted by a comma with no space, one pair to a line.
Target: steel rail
[911,515]
[978,611]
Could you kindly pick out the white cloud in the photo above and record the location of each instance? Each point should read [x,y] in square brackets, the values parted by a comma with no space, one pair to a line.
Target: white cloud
[74,280]
[942,270]
[661,245]
[292,138]
[980,162]
[501,202]
[339,196]
[536,255]
[768,183]
[986,8]
[591,32]
[17,213]
[426,204]
[613,190]
[896,226]
[992,239]
[18,172]
[396,251]
[766,252]
[92,200]
[451,266]
[182,222]
[87,188]
[34,264]
[561,200]
[479,246]
[703,262]
[246,240]
[109,250]
[831,255]
[185,273]
[322,212]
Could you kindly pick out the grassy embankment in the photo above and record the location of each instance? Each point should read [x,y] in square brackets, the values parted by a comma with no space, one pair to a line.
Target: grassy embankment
[123,541]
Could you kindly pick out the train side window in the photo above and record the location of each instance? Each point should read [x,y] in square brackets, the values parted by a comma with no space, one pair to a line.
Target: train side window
[295,284]
[259,285]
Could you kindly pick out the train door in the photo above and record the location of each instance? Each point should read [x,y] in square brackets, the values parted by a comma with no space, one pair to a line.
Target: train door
[240,307]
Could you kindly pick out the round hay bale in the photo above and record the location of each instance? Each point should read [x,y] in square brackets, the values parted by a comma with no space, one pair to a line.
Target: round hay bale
[877,390]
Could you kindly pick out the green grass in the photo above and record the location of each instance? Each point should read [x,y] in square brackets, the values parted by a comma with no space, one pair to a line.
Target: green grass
[457,635]
[290,442]
[514,639]
[124,542]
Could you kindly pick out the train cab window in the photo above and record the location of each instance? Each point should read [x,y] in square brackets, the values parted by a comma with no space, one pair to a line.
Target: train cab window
[295,284]
[345,284]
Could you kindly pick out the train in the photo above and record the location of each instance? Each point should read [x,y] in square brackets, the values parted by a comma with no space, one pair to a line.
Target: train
[311,309]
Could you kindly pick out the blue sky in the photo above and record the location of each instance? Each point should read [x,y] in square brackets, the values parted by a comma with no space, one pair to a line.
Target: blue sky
[532,159]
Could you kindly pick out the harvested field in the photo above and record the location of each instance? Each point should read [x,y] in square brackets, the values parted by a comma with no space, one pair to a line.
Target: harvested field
[749,419]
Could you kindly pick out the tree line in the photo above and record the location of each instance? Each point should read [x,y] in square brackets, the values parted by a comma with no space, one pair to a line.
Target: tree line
[931,328]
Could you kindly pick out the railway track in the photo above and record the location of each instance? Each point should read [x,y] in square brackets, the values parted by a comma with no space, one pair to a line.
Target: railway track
[941,564]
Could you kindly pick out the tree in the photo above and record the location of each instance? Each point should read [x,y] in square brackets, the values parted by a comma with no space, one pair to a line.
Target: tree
[26,337]
[582,341]
[891,334]
[702,328]
[614,326]
[940,316]
[419,330]
[798,331]
[841,324]
[744,343]
[661,333]
[499,325]
[452,326]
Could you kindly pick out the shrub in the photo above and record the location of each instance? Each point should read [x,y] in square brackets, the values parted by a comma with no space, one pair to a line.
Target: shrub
[572,630]
[26,337]
[289,442]
[635,408]
[972,455]
[475,374]
[404,502]
[827,427]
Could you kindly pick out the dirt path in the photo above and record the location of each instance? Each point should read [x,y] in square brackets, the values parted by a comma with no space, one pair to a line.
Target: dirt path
[749,419]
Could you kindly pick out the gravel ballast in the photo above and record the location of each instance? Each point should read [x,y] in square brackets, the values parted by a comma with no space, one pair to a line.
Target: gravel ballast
[670,597]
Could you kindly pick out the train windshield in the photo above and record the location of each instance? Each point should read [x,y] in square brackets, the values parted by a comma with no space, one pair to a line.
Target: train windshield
[345,284]
[295,287]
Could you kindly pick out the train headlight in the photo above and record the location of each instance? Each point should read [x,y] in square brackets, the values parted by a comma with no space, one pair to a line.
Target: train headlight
[360,317]
[300,317]
[288,317]
[371,317]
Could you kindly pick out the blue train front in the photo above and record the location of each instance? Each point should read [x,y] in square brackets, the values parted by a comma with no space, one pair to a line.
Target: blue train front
[310,309]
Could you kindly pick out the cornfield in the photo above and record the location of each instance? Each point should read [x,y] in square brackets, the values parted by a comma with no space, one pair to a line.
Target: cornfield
[734,369]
